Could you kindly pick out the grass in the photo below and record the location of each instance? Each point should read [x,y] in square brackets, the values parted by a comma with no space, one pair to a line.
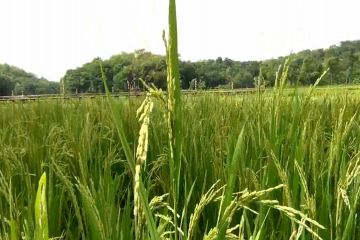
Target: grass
[269,165]
[311,150]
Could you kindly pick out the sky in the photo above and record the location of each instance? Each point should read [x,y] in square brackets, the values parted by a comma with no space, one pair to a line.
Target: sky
[48,37]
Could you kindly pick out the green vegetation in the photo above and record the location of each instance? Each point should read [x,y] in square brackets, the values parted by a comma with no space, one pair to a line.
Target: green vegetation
[16,81]
[266,165]
[307,145]
[124,71]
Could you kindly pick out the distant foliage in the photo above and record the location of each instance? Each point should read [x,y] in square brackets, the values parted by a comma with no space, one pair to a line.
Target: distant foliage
[16,81]
[123,71]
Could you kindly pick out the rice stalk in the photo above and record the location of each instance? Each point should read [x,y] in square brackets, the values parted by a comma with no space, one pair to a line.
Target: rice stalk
[41,218]
[143,113]
[173,108]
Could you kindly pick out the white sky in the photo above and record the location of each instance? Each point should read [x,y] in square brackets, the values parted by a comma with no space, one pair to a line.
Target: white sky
[47,37]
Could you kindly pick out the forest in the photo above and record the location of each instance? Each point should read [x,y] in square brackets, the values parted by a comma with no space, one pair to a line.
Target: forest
[123,71]
[15,81]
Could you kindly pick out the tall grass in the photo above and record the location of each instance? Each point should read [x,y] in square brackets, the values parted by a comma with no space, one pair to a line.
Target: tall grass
[256,166]
[312,152]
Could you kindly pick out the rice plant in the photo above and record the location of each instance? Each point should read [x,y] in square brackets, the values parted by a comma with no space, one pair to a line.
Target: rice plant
[279,164]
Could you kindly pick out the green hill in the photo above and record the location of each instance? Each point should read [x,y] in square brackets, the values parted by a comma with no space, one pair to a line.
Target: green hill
[123,71]
[16,81]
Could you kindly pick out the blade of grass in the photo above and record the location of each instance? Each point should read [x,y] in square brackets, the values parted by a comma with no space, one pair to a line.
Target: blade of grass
[41,218]
[233,168]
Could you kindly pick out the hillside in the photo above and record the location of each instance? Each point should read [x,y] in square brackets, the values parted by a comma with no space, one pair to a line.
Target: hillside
[16,81]
[123,71]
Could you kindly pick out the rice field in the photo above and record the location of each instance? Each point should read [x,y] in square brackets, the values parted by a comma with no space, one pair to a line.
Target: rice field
[279,164]
[296,158]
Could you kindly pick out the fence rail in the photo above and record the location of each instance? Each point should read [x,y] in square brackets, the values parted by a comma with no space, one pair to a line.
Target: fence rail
[120,94]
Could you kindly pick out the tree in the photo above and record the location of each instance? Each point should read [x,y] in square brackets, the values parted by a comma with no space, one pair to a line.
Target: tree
[124,70]
[17,81]
[6,86]
[18,89]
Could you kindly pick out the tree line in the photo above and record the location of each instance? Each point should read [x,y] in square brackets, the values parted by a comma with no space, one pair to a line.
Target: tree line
[15,81]
[124,71]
